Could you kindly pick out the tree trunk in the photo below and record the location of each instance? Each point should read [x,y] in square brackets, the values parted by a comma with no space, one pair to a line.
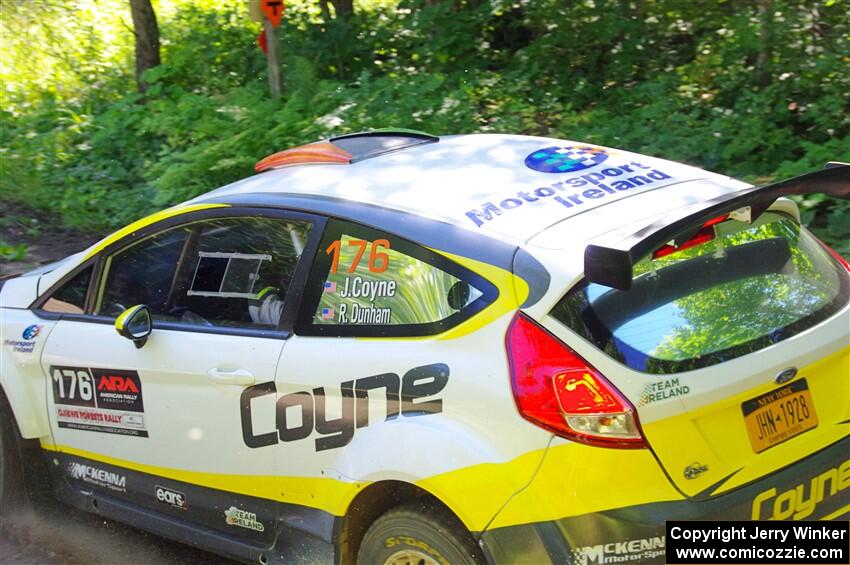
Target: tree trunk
[326,10]
[147,39]
[272,58]
[765,12]
[344,8]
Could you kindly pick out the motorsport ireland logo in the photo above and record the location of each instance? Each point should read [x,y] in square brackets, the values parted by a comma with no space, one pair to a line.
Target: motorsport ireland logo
[27,344]
[565,159]
[31,332]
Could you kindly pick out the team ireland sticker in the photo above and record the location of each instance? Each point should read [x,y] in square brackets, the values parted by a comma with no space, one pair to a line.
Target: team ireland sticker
[243,519]
[662,390]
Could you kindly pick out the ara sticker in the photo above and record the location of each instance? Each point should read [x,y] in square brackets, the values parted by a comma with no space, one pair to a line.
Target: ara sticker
[99,400]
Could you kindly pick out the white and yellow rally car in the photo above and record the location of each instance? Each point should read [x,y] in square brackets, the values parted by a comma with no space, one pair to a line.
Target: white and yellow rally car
[396,348]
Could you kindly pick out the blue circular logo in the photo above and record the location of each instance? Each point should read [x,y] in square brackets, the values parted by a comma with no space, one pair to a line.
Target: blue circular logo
[565,159]
[31,332]
[786,375]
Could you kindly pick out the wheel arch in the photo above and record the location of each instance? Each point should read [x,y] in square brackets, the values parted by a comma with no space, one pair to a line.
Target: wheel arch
[371,503]
[22,404]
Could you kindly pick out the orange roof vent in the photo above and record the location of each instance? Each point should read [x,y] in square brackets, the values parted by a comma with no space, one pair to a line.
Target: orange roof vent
[349,148]
[322,152]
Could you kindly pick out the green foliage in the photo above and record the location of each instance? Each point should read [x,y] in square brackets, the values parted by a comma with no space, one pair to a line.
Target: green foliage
[9,252]
[755,90]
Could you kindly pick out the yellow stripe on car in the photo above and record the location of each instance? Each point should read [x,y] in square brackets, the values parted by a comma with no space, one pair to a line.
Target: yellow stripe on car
[573,479]
[476,493]
[326,494]
[144,222]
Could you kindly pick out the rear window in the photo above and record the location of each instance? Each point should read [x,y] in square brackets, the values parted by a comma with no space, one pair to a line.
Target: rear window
[748,287]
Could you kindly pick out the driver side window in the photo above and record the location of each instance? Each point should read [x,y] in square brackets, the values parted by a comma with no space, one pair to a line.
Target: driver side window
[231,272]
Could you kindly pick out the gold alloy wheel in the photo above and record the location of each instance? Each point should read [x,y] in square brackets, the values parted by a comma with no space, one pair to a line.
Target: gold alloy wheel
[410,557]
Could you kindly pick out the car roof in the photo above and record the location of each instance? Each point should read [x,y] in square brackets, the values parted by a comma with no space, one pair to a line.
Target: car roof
[482,182]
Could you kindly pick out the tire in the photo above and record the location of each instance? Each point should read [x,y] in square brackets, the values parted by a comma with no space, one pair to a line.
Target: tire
[418,535]
[12,491]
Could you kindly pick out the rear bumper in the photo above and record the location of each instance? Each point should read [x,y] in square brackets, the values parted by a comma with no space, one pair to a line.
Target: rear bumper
[817,487]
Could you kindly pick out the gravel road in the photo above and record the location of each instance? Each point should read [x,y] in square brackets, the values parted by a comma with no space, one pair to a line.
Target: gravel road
[51,533]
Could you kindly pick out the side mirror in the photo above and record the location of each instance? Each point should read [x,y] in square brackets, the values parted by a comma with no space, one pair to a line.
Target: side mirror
[135,323]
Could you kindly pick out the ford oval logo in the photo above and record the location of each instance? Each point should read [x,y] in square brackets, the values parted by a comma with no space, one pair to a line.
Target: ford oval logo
[785,376]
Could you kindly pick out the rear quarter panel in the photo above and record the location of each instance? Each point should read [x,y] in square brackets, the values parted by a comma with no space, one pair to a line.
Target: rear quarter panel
[473,452]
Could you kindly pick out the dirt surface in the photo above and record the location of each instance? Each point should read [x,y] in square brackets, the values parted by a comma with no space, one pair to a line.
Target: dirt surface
[50,533]
[29,238]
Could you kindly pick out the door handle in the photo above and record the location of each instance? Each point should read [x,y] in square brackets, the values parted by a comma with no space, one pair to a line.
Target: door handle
[231,377]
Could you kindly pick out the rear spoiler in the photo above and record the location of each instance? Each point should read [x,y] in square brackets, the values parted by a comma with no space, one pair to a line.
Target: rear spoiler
[609,260]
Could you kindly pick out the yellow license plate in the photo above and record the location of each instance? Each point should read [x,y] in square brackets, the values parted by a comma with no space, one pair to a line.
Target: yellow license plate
[779,415]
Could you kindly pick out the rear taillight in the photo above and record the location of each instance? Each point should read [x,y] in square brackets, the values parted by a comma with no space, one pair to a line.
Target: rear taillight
[703,235]
[557,390]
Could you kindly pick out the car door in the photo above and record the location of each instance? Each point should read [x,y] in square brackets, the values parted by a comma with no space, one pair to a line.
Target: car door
[155,425]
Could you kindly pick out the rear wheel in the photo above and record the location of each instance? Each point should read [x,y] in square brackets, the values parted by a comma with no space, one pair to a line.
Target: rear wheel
[418,535]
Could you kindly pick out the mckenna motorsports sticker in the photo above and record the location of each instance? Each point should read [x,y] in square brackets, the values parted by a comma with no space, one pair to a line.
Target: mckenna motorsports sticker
[99,400]
[97,476]
[636,550]
[243,519]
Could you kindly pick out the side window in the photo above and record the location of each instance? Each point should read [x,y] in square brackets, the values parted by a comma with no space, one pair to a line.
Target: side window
[368,283]
[225,272]
[144,273]
[70,298]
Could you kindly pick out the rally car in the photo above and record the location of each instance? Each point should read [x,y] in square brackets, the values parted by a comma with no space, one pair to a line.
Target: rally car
[390,347]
